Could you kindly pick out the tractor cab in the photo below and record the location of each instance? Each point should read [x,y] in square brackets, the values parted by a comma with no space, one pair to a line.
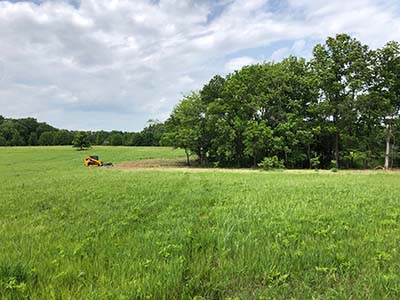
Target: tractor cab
[93,160]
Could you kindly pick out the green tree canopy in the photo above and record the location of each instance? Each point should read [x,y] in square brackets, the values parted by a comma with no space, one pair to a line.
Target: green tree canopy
[81,140]
[46,138]
[332,109]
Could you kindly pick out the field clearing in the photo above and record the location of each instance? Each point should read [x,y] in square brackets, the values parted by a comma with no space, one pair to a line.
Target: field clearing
[180,164]
[70,232]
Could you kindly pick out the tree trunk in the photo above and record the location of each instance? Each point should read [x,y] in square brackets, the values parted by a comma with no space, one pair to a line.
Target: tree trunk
[187,157]
[309,155]
[337,149]
[392,158]
[387,152]
[286,160]
[203,157]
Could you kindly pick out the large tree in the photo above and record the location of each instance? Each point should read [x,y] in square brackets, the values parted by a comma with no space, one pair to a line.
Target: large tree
[385,89]
[340,64]
[185,127]
[81,140]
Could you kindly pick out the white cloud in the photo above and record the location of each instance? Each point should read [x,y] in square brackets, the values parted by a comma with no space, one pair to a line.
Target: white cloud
[238,62]
[280,54]
[298,46]
[115,64]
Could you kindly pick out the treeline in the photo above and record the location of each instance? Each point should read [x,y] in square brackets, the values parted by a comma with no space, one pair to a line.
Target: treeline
[340,109]
[30,132]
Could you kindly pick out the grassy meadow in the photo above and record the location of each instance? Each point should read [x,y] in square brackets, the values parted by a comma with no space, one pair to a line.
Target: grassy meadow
[70,232]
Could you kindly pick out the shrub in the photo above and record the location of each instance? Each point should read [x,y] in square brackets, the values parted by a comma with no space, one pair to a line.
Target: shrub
[271,163]
[333,166]
[315,162]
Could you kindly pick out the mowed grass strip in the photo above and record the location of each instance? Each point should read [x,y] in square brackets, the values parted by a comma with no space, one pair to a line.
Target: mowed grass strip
[69,232]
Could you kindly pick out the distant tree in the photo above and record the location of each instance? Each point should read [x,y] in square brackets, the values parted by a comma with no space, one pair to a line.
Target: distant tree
[7,129]
[63,137]
[81,140]
[136,139]
[116,138]
[43,127]
[101,137]
[46,138]
[3,141]
[26,126]
[92,137]
[16,139]
[151,135]
[32,140]
[128,139]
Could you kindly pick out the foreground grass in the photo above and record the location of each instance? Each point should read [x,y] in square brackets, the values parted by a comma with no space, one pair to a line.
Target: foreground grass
[69,232]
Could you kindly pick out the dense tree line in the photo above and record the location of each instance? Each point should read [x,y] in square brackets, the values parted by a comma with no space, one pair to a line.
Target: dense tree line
[340,109]
[30,132]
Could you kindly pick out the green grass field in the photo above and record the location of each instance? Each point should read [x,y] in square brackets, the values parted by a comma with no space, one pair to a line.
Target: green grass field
[70,232]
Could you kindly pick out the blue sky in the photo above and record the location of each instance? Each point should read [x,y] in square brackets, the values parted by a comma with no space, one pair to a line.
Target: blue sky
[114,64]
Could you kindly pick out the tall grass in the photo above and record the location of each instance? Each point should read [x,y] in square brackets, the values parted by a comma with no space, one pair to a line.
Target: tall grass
[69,232]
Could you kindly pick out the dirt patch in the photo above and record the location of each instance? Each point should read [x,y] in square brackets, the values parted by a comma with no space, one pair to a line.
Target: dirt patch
[151,164]
[180,165]
[172,165]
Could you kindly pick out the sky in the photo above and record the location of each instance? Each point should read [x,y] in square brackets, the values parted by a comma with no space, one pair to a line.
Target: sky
[114,64]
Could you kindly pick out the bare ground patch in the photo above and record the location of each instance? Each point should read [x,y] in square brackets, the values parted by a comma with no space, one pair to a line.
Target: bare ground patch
[170,164]
[180,165]
[151,164]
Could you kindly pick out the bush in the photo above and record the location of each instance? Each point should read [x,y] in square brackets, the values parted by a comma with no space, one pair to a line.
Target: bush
[333,166]
[271,163]
[315,162]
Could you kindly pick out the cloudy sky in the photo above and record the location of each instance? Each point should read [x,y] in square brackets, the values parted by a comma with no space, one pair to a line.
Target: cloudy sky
[114,64]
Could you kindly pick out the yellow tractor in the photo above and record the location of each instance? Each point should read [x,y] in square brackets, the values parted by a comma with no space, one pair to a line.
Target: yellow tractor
[93,160]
